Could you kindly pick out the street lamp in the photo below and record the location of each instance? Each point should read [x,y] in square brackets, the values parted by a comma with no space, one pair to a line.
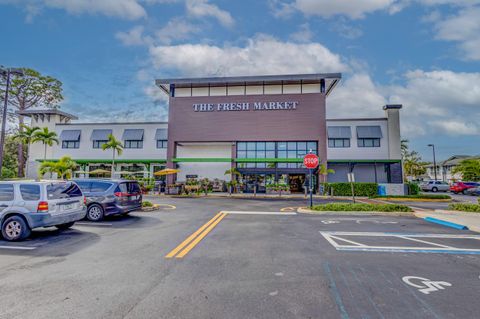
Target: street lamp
[434,161]
[6,72]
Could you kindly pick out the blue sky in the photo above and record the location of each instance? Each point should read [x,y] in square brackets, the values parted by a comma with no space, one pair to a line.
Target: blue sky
[424,54]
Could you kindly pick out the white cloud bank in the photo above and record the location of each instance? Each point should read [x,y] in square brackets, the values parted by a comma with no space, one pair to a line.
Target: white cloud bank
[435,102]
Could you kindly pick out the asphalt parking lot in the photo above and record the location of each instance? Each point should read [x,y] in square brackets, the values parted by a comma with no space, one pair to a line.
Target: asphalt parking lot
[206,258]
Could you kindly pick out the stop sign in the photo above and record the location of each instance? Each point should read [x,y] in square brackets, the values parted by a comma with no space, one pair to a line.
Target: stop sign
[310,161]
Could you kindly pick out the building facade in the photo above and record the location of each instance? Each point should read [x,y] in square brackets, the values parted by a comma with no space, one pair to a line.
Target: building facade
[261,125]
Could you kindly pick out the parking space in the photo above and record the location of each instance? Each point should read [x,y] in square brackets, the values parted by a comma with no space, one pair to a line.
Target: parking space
[230,258]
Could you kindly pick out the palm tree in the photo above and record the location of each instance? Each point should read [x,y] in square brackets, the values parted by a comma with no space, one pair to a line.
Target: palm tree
[47,137]
[232,172]
[64,167]
[324,171]
[27,136]
[116,146]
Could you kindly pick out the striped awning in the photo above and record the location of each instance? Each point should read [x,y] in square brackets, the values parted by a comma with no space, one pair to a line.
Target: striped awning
[339,132]
[369,132]
[70,135]
[100,135]
[133,135]
[161,134]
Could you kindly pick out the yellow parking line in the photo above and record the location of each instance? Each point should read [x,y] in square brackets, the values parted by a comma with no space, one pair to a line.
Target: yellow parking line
[192,236]
[200,237]
[288,209]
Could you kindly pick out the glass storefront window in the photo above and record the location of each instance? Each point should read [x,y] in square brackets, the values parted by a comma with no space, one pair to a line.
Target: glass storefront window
[251,146]
[241,154]
[281,146]
[270,146]
[260,146]
[241,146]
[270,154]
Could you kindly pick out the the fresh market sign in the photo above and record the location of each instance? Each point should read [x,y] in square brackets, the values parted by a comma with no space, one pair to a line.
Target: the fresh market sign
[245,106]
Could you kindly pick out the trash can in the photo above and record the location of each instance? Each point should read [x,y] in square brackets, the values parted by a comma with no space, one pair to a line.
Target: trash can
[382,190]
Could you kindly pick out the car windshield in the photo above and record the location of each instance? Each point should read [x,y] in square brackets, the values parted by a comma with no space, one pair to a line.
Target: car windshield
[63,190]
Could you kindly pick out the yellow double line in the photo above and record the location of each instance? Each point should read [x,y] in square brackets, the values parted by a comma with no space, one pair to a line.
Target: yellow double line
[188,244]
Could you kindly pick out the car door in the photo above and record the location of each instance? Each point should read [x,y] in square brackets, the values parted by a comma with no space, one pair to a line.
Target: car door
[29,196]
[7,197]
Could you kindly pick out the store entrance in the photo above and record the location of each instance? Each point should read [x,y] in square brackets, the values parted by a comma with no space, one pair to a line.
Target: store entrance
[296,183]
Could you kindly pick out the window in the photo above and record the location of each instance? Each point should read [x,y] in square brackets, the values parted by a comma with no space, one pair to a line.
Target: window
[99,143]
[30,192]
[99,187]
[368,142]
[338,142]
[162,143]
[70,144]
[84,186]
[63,190]
[6,192]
[133,144]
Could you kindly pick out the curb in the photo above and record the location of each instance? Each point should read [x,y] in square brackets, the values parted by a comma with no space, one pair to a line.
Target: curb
[445,223]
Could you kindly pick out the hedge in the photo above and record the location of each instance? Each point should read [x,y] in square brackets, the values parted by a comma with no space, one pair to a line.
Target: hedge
[361,207]
[345,189]
[413,188]
[465,207]
[420,196]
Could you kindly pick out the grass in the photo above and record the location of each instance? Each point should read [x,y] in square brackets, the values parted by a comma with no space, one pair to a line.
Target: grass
[361,207]
[147,203]
[419,196]
[465,207]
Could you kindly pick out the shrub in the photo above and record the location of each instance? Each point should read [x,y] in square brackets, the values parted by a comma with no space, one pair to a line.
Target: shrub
[465,207]
[419,196]
[361,207]
[345,189]
[147,203]
[413,188]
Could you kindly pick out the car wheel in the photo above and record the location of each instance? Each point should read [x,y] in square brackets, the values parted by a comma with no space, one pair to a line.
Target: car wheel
[65,226]
[434,189]
[15,228]
[464,192]
[95,213]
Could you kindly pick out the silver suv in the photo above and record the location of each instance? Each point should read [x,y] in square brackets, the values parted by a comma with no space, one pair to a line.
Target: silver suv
[25,205]
[434,186]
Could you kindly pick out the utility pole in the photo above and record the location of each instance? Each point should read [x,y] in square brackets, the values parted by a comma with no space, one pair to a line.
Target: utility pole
[434,161]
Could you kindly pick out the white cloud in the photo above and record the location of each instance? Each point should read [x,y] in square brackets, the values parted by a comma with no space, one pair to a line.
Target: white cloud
[464,28]
[261,55]
[352,9]
[176,29]
[133,37]
[435,102]
[201,9]
[304,34]
[125,9]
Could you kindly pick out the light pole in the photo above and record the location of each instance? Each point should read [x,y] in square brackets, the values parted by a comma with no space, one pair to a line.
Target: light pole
[6,72]
[434,161]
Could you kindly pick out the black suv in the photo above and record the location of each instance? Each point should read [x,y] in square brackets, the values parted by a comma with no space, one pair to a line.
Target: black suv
[110,197]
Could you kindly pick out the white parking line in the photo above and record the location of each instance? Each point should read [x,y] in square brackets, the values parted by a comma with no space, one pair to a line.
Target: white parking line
[336,239]
[258,213]
[17,247]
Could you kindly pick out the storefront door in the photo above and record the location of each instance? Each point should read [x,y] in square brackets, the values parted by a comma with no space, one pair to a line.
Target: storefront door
[296,182]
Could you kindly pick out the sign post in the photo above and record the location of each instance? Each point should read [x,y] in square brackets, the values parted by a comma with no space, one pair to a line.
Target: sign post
[351,179]
[311,162]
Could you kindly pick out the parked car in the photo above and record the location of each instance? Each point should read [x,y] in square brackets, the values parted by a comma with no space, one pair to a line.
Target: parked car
[434,186]
[110,197]
[25,205]
[474,191]
[461,187]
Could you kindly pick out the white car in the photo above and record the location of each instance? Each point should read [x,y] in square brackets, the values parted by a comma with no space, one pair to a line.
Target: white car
[25,205]
[435,186]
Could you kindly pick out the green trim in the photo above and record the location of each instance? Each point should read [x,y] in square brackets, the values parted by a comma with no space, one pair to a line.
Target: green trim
[269,160]
[380,161]
[202,160]
[117,161]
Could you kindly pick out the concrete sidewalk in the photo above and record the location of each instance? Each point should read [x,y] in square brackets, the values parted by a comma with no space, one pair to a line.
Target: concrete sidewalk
[471,220]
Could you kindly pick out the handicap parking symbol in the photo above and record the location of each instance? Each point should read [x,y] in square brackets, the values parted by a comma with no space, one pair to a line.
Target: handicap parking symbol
[424,285]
